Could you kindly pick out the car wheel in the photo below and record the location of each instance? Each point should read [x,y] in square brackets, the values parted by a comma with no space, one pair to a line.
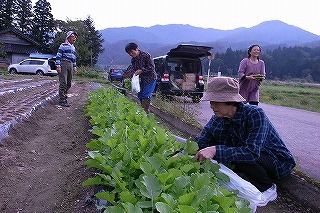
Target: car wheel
[122,82]
[157,89]
[196,99]
[39,72]
[13,71]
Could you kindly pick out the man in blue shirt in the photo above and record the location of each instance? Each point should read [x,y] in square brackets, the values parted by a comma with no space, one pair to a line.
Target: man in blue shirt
[66,66]
[242,134]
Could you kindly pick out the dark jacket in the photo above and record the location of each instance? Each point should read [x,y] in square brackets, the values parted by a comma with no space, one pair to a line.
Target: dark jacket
[145,63]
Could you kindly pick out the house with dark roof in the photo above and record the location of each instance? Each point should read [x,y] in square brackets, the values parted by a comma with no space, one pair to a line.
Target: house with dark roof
[16,46]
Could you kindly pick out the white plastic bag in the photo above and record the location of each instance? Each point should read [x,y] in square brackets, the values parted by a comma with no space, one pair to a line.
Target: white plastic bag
[135,83]
[245,188]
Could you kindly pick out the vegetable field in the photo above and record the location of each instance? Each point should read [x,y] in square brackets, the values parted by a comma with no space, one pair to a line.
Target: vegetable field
[133,157]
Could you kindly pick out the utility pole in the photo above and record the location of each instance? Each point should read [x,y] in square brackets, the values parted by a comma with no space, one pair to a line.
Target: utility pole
[210,57]
[91,57]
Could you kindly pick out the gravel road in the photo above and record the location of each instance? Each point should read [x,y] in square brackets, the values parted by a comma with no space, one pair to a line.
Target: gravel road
[300,129]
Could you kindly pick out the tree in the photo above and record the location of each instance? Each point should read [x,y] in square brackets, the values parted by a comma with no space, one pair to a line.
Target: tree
[7,12]
[316,68]
[88,44]
[24,16]
[93,37]
[217,64]
[43,27]
[281,63]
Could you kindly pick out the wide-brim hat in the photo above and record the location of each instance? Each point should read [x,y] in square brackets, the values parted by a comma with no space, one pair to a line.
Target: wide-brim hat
[70,33]
[223,89]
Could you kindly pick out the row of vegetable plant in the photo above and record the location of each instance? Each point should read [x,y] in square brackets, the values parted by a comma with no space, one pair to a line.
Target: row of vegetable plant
[133,156]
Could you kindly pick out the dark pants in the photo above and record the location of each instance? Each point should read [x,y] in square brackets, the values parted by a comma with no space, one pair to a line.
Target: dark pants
[65,77]
[261,173]
[254,103]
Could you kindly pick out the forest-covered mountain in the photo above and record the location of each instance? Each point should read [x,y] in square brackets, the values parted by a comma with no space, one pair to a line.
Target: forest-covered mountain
[158,39]
[288,51]
[282,63]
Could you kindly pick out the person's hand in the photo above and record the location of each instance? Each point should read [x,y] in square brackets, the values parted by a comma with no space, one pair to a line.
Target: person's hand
[127,74]
[75,70]
[176,155]
[58,69]
[250,77]
[138,72]
[206,153]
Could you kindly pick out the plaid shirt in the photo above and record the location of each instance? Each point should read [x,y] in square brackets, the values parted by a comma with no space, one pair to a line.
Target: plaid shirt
[145,63]
[242,139]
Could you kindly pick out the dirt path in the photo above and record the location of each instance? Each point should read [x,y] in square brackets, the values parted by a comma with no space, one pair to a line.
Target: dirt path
[42,159]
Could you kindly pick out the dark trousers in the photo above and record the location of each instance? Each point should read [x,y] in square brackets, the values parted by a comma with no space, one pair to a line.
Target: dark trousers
[261,173]
[254,103]
[65,77]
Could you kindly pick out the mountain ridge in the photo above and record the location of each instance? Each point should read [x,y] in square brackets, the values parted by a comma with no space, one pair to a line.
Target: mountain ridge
[159,39]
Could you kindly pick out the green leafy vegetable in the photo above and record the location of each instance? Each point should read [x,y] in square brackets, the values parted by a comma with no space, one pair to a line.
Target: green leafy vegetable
[132,154]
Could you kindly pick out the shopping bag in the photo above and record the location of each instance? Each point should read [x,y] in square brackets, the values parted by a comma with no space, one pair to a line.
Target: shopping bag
[245,188]
[135,83]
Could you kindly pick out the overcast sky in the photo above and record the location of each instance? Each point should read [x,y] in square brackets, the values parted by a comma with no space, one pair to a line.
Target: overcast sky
[216,14]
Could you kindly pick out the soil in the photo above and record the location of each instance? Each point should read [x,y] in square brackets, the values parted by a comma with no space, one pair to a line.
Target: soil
[42,159]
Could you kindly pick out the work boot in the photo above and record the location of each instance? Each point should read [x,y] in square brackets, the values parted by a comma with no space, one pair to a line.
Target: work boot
[145,103]
[64,104]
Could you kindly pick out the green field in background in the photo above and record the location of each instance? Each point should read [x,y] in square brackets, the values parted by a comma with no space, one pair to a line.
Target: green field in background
[295,95]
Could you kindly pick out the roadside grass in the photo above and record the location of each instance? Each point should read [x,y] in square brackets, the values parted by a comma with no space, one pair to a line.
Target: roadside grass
[3,71]
[90,74]
[175,107]
[170,105]
[291,94]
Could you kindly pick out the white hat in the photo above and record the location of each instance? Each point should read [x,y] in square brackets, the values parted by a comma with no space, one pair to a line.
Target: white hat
[70,33]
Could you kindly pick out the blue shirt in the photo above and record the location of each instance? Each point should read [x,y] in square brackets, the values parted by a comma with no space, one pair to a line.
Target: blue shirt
[242,139]
[67,52]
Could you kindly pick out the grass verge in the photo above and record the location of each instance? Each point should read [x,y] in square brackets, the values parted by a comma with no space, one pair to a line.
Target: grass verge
[290,94]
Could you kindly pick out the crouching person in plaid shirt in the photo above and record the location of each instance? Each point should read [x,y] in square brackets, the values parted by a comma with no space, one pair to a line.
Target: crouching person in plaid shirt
[242,134]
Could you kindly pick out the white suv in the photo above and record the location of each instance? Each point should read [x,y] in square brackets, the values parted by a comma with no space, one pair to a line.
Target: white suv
[34,66]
